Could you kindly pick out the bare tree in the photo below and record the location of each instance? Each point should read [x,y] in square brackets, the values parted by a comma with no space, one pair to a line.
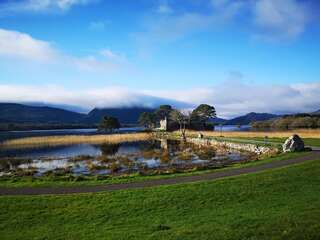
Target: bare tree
[183,119]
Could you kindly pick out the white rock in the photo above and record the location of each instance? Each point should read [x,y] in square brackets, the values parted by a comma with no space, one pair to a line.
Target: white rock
[293,144]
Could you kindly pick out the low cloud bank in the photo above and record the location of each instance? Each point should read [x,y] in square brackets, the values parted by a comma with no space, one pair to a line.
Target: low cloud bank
[230,98]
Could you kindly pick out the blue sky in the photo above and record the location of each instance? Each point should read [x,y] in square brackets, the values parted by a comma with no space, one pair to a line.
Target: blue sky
[239,55]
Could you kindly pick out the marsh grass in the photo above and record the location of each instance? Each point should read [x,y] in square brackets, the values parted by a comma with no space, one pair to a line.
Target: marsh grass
[8,163]
[25,172]
[185,156]
[51,180]
[33,142]
[81,158]
[114,167]
[165,157]
[95,167]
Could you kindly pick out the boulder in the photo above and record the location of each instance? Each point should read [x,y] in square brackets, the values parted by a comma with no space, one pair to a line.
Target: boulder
[293,144]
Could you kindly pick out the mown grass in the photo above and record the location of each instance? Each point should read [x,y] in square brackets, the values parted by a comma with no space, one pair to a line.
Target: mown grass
[70,180]
[273,142]
[315,142]
[308,141]
[276,204]
[32,142]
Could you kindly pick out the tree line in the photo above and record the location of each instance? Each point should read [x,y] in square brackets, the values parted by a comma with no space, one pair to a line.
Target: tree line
[179,119]
[176,119]
[289,122]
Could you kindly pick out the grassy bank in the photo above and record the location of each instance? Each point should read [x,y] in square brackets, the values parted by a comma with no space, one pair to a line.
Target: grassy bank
[315,142]
[71,180]
[278,204]
[308,141]
[67,140]
[304,133]
[310,137]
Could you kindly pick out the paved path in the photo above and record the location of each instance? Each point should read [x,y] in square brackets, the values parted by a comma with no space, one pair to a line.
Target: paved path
[158,182]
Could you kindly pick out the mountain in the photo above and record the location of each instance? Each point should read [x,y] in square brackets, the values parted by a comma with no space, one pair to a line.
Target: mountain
[19,113]
[217,120]
[316,112]
[250,117]
[71,108]
[26,114]
[128,115]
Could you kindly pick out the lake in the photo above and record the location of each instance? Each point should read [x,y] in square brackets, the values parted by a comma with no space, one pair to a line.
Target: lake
[60,132]
[90,159]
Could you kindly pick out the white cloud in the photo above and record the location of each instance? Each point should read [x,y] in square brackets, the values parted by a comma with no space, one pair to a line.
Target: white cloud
[265,19]
[109,54]
[41,5]
[231,98]
[236,97]
[89,98]
[20,45]
[24,47]
[283,19]
[93,64]
[179,24]
[169,28]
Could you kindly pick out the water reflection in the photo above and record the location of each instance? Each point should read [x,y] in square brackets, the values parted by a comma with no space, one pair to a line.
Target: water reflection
[144,156]
[109,149]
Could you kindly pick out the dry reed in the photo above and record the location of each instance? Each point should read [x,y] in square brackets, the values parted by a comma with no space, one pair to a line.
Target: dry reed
[74,139]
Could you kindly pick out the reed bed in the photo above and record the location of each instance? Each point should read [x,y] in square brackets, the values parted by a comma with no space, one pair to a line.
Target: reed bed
[304,133]
[31,142]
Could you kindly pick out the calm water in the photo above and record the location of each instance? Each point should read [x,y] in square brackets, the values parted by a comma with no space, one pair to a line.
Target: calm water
[236,128]
[60,132]
[114,158]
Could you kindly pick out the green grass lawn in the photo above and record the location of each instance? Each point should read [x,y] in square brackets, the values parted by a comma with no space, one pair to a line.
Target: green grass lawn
[276,204]
[69,180]
[308,141]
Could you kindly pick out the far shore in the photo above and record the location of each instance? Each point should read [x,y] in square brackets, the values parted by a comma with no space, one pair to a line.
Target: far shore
[142,136]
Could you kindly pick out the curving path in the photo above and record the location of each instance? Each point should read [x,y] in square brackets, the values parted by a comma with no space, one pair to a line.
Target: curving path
[314,155]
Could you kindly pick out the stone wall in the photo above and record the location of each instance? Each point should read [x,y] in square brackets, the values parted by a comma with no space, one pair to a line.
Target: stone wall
[238,146]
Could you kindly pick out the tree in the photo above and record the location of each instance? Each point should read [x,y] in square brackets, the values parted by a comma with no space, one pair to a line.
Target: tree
[183,119]
[163,112]
[147,119]
[109,124]
[202,114]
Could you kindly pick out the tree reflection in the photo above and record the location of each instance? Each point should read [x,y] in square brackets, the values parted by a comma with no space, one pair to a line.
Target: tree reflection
[109,149]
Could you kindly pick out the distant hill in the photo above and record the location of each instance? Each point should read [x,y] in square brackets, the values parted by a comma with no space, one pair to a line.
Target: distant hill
[129,115]
[217,120]
[26,114]
[19,113]
[316,112]
[250,117]
[71,108]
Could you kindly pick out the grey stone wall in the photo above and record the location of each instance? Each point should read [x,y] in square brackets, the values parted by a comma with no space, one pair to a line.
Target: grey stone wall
[238,146]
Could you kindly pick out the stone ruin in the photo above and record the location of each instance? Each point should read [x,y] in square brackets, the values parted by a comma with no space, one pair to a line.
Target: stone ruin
[163,124]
